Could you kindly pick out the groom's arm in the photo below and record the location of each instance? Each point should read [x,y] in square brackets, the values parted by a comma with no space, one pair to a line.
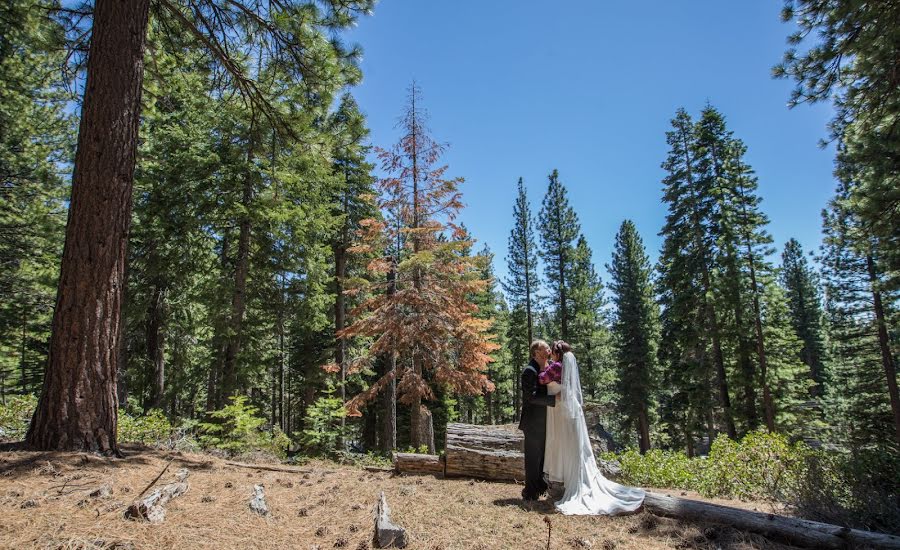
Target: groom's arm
[529,392]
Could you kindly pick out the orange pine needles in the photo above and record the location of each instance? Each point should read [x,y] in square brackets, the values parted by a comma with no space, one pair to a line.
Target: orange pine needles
[417,304]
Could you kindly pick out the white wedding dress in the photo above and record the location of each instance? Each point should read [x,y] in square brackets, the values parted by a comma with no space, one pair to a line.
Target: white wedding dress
[569,458]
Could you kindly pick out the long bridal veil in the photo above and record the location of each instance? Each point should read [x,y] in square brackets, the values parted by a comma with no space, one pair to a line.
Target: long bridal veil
[587,491]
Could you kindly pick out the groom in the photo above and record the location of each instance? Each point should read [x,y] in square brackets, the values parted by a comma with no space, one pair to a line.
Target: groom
[534,420]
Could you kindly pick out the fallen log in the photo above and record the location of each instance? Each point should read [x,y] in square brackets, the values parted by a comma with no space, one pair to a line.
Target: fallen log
[486,452]
[811,534]
[258,501]
[152,507]
[270,467]
[418,464]
[387,534]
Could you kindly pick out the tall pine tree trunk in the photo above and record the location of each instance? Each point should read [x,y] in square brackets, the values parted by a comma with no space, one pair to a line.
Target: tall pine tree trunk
[239,297]
[768,403]
[340,273]
[78,409]
[213,383]
[281,358]
[644,428]
[709,310]
[389,395]
[155,337]
[884,344]
[745,363]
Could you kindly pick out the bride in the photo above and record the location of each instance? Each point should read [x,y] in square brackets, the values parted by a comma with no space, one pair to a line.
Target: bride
[569,458]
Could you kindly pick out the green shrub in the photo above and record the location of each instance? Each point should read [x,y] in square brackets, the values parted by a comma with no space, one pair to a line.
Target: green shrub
[858,490]
[236,429]
[762,465]
[658,468]
[323,420]
[152,428]
[15,416]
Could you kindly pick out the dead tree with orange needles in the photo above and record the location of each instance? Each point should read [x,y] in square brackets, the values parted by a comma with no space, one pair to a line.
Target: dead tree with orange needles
[426,321]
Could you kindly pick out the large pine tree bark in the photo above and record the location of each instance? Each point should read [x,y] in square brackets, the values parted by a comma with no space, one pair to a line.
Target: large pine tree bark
[77,409]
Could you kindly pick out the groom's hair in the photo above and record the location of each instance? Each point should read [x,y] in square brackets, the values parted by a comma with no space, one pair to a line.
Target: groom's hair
[537,344]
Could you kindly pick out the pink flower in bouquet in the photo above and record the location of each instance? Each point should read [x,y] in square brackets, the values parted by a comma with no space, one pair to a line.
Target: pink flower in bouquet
[552,373]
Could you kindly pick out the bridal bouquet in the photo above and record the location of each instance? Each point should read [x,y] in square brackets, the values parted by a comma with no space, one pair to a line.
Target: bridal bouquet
[551,373]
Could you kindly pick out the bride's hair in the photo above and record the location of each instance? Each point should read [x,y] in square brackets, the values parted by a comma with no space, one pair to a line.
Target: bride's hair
[560,348]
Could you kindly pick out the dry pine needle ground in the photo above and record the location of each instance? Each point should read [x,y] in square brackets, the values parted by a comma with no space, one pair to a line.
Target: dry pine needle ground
[45,502]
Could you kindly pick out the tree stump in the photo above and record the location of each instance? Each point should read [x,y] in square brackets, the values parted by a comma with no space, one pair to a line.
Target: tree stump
[387,534]
[258,501]
[418,464]
[427,428]
[486,452]
[152,507]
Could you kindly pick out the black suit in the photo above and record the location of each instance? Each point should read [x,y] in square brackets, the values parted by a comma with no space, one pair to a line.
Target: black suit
[534,425]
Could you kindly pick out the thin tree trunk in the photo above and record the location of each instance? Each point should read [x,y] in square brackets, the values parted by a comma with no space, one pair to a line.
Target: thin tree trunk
[887,358]
[239,298]
[22,349]
[417,438]
[719,359]
[644,429]
[340,273]
[281,358]
[156,345]
[768,403]
[77,410]
[389,396]
[213,384]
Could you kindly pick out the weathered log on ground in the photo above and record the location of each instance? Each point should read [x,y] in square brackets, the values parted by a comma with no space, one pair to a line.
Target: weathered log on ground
[811,534]
[271,468]
[387,534]
[258,501]
[418,464]
[152,507]
[486,452]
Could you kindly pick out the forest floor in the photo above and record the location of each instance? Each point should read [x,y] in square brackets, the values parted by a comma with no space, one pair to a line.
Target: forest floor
[45,503]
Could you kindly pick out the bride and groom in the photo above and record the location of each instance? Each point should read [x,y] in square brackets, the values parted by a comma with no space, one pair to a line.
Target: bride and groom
[556,438]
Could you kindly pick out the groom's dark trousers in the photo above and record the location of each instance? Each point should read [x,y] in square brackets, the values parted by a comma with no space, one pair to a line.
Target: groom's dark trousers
[534,425]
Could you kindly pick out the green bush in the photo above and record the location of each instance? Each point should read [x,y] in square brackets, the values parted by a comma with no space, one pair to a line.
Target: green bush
[15,416]
[323,420]
[658,468]
[236,429]
[152,428]
[860,490]
[762,465]
[856,490]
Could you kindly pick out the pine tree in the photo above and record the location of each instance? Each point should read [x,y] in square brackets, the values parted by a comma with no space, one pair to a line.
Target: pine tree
[691,347]
[635,330]
[428,322]
[35,147]
[788,376]
[588,330]
[800,284]
[100,207]
[854,63]
[522,283]
[858,401]
[559,227]
[347,125]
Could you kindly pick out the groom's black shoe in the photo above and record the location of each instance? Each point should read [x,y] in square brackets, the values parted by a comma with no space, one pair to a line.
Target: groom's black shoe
[528,497]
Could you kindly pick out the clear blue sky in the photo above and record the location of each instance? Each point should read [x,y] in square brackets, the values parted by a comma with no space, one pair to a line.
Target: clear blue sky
[519,88]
